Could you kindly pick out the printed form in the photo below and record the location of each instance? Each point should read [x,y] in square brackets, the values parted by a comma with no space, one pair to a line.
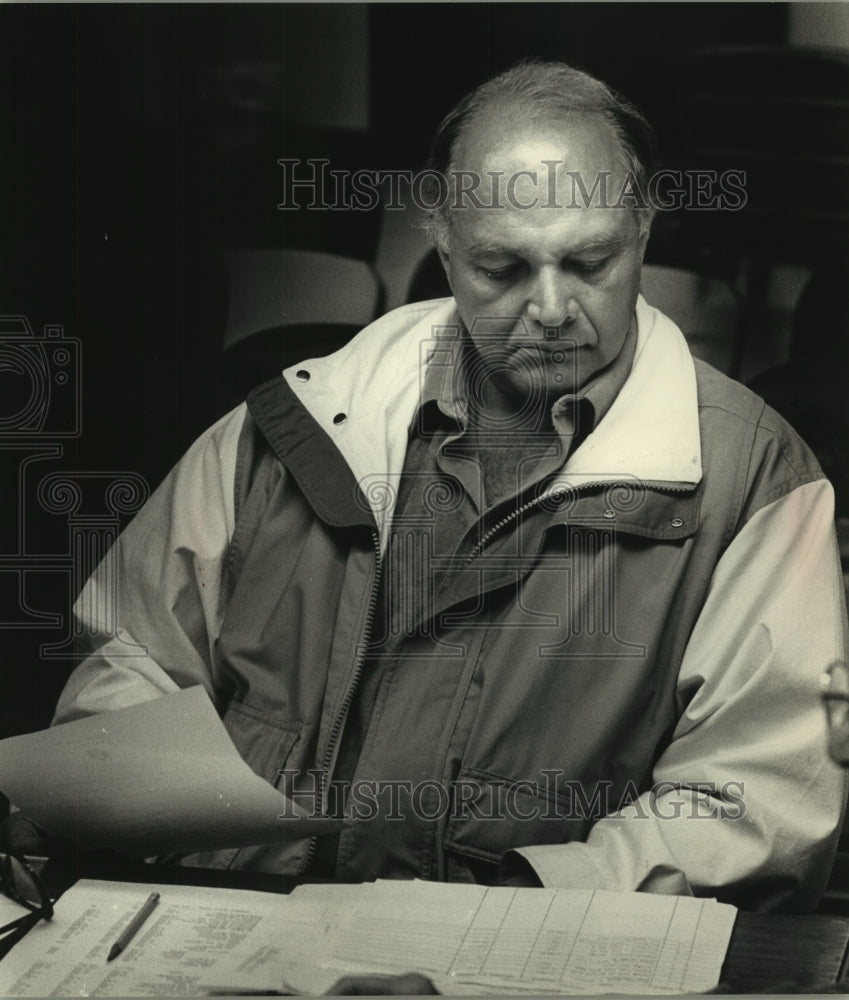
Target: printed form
[468,939]
[541,940]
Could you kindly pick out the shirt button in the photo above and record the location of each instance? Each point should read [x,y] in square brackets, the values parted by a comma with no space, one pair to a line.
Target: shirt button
[340,418]
[677,522]
[609,513]
[302,375]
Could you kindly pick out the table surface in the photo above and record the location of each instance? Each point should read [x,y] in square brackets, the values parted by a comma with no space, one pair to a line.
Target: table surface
[767,952]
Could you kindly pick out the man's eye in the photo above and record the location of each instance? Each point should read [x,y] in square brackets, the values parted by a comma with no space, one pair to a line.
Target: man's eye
[591,266]
[501,274]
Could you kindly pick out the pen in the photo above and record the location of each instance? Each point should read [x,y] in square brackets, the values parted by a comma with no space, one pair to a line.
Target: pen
[228,991]
[131,928]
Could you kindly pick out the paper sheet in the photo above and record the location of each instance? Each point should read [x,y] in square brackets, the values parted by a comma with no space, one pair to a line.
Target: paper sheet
[177,950]
[160,777]
[540,940]
[195,939]
[9,911]
[468,939]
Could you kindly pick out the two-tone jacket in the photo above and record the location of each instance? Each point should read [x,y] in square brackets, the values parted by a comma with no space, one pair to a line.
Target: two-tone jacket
[632,703]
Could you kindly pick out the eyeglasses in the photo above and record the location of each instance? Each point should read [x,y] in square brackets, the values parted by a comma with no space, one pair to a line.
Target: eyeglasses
[21,883]
[835,695]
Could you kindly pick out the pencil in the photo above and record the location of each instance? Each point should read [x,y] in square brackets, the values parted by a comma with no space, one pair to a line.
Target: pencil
[132,927]
[234,991]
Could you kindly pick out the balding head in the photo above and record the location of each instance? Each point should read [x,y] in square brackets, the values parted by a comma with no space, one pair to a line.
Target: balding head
[539,99]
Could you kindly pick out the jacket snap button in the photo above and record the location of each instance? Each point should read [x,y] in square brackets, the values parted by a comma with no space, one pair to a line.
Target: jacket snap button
[340,418]
[608,513]
[676,522]
[302,375]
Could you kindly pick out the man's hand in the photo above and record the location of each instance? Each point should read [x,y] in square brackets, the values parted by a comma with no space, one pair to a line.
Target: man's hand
[409,984]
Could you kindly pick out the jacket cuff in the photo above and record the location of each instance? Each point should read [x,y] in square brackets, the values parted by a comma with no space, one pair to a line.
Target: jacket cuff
[515,870]
[573,866]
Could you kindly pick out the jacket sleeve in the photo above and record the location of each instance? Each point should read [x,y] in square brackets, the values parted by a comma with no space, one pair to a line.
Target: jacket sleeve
[745,800]
[161,584]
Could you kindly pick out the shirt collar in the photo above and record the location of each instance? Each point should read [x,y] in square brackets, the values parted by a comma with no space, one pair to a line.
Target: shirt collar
[604,386]
[443,387]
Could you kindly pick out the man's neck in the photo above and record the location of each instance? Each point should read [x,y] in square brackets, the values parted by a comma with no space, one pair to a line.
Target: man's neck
[508,451]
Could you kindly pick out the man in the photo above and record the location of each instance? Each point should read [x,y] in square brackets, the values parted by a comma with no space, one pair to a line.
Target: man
[510,580]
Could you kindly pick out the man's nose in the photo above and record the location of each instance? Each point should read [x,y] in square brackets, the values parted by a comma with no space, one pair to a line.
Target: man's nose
[551,302]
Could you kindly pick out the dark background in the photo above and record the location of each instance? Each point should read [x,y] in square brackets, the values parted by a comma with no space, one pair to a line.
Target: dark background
[136,141]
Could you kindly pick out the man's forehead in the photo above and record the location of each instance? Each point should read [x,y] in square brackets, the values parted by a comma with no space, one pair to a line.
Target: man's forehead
[598,233]
[504,140]
[515,166]
[542,231]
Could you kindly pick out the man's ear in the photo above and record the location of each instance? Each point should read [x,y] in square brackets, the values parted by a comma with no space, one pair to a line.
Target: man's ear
[445,260]
[644,239]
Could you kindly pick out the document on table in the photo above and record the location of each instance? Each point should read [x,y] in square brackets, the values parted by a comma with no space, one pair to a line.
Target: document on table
[173,954]
[469,939]
[160,777]
[9,912]
[540,940]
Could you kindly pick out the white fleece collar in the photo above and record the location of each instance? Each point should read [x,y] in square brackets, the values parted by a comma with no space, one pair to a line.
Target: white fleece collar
[649,434]
[651,431]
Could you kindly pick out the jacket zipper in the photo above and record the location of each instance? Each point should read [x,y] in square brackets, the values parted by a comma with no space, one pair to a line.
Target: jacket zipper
[480,545]
[491,532]
[352,688]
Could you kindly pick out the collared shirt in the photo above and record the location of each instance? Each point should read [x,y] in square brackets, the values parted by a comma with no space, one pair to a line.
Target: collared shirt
[443,511]
[445,482]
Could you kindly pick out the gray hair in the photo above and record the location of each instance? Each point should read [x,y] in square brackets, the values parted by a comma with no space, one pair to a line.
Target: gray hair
[548,90]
